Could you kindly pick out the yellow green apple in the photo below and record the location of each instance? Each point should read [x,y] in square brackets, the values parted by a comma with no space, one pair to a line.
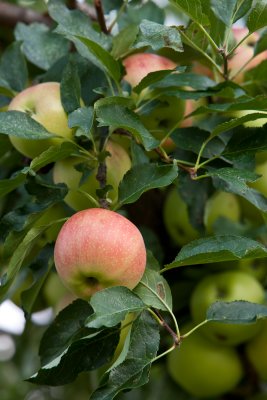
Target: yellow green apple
[64,171]
[256,351]
[98,248]
[43,103]
[261,183]
[226,286]
[202,368]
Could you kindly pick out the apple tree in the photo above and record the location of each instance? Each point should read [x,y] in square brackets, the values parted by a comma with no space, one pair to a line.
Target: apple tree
[133,198]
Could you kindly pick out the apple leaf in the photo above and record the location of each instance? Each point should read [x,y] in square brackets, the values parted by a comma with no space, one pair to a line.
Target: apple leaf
[123,41]
[20,124]
[181,79]
[194,9]
[261,44]
[258,16]
[82,118]
[67,348]
[119,116]
[13,67]
[5,88]
[111,306]
[234,180]
[70,87]
[218,248]
[8,185]
[228,125]
[236,312]
[158,36]
[41,46]
[134,370]
[230,11]
[154,290]
[142,178]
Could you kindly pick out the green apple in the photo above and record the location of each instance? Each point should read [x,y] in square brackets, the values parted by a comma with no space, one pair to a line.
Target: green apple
[221,204]
[64,171]
[54,290]
[203,368]
[256,267]
[226,286]
[53,213]
[98,248]
[261,183]
[43,103]
[257,123]
[256,350]
[176,219]
[250,213]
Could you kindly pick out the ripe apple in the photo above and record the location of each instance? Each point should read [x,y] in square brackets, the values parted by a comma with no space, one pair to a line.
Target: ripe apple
[221,204]
[138,65]
[203,368]
[43,103]
[64,171]
[226,286]
[176,219]
[261,183]
[98,248]
[256,350]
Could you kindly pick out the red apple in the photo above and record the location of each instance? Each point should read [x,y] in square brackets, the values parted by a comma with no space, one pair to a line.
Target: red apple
[98,248]
[43,103]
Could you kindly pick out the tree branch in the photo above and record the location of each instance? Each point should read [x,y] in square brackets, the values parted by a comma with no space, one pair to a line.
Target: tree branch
[100,16]
[10,14]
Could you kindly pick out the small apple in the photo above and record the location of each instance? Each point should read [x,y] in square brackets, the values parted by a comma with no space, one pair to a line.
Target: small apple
[226,286]
[43,103]
[261,183]
[203,368]
[64,171]
[256,267]
[54,290]
[221,204]
[256,350]
[138,65]
[98,248]
[176,219]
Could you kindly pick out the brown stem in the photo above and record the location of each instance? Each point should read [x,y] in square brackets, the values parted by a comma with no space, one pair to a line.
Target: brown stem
[100,16]
[10,14]
[164,324]
[225,64]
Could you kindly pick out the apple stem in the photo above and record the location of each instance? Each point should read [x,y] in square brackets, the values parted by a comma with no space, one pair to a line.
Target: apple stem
[100,16]
[166,326]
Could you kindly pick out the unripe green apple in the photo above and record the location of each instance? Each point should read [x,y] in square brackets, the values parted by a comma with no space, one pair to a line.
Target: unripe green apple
[64,171]
[250,213]
[98,248]
[53,213]
[54,290]
[138,65]
[221,204]
[226,286]
[203,368]
[256,267]
[257,123]
[261,183]
[176,219]
[256,351]
[43,103]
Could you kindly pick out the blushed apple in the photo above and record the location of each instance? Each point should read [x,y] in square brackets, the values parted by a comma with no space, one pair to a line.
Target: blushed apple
[98,248]
[226,286]
[203,368]
[64,171]
[43,103]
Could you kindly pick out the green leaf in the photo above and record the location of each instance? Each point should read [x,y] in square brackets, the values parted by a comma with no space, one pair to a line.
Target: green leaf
[8,185]
[13,68]
[142,178]
[123,41]
[70,88]
[234,181]
[118,116]
[134,370]
[20,124]
[236,312]
[230,11]
[261,44]
[258,16]
[82,118]
[154,290]
[218,248]
[158,36]
[111,306]
[195,9]
[233,123]
[5,88]
[41,46]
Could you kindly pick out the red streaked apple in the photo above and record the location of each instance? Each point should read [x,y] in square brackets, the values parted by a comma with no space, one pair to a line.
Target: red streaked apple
[139,65]
[43,103]
[64,171]
[98,248]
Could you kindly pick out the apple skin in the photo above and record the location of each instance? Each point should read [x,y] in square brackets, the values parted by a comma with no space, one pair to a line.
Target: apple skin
[118,163]
[221,204]
[226,286]
[203,368]
[176,219]
[98,248]
[261,183]
[43,104]
[256,351]
[138,65]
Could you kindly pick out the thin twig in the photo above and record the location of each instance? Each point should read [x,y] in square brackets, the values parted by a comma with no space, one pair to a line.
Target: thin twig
[10,14]
[100,16]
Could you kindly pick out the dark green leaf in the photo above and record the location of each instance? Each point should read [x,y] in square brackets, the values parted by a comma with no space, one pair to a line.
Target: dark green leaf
[13,68]
[70,88]
[111,306]
[218,248]
[145,177]
[8,185]
[236,312]
[258,16]
[195,9]
[123,41]
[82,118]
